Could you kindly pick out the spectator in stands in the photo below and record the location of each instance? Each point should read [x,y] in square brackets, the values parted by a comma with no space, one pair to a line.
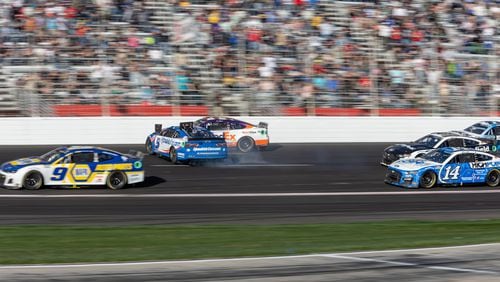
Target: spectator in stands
[318,52]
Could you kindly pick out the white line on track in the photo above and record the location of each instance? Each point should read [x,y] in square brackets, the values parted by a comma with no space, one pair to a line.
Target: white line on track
[171,165]
[333,255]
[236,195]
[400,263]
[244,165]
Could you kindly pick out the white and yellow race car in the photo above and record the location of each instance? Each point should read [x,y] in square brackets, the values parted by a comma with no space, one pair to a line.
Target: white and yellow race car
[238,134]
[73,166]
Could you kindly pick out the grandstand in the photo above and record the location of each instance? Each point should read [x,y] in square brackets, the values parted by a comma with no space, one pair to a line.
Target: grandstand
[235,57]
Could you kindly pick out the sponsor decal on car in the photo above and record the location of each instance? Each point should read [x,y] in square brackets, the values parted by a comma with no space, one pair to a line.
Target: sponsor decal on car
[206,149]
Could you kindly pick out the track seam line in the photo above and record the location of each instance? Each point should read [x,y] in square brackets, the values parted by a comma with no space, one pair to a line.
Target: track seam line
[212,195]
[347,254]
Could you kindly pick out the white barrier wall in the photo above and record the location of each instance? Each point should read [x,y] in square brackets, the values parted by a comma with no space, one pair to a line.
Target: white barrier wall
[133,130]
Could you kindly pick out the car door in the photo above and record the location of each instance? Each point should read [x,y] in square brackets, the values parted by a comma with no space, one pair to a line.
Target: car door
[458,169]
[480,167]
[74,168]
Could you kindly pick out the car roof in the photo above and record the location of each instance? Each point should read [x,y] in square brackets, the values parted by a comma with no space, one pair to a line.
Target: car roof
[451,150]
[92,148]
[214,118]
[446,134]
[489,122]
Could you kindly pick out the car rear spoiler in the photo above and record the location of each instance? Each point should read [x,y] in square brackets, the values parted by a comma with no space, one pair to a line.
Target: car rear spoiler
[158,127]
[262,125]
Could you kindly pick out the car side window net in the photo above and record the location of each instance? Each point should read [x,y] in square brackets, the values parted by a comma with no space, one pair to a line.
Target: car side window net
[456,142]
[84,157]
[482,158]
[217,126]
[466,158]
[470,143]
[104,157]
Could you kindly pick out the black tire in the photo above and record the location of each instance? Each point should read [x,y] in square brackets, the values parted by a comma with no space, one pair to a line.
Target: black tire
[428,180]
[246,144]
[116,180]
[149,147]
[33,180]
[493,178]
[172,154]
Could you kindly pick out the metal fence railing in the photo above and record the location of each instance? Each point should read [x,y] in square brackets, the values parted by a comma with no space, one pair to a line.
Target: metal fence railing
[231,60]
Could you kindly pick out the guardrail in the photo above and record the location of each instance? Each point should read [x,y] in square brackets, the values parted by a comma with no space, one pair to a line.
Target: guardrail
[133,130]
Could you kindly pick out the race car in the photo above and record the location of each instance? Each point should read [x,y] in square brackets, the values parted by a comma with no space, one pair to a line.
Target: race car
[238,134]
[185,143]
[73,166]
[431,141]
[489,130]
[445,166]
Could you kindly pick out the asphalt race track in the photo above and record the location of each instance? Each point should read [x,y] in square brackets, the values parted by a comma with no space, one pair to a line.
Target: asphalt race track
[288,183]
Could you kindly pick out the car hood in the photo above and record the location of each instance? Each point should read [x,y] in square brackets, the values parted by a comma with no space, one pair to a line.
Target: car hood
[405,148]
[20,163]
[412,164]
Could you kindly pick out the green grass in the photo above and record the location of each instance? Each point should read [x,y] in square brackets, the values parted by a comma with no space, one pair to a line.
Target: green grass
[64,244]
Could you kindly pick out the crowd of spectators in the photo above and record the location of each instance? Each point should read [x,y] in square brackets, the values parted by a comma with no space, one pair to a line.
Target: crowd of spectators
[262,54]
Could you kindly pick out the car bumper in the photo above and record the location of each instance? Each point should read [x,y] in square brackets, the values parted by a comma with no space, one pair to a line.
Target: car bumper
[201,156]
[7,180]
[398,178]
[262,143]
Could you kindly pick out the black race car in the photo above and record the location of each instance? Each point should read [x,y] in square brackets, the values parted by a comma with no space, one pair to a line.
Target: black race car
[431,141]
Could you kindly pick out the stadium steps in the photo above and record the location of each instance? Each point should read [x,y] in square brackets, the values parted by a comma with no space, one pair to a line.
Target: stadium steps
[9,102]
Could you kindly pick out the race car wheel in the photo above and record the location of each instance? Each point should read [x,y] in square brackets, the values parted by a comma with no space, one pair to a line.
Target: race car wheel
[493,178]
[116,180]
[173,155]
[149,147]
[428,180]
[246,144]
[33,180]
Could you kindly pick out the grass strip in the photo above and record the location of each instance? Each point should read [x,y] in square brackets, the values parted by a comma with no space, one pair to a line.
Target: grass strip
[66,244]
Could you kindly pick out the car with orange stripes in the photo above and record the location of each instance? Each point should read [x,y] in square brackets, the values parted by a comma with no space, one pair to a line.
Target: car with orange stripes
[238,134]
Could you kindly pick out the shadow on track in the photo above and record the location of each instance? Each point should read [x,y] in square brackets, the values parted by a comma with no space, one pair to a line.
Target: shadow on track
[149,181]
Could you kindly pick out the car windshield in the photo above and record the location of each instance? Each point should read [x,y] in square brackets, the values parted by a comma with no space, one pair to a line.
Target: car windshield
[52,155]
[429,140]
[476,128]
[436,156]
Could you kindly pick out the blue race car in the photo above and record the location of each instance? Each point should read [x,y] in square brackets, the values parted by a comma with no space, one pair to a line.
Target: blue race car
[73,166]
[445,166]
[489,130]
[185,143]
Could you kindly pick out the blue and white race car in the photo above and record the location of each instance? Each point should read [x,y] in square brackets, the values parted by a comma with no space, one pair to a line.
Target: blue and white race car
[73,166]
[186,142]
[489,130]
[445,166]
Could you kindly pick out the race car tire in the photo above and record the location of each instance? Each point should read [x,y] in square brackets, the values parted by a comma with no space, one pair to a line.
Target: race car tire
[428,180]
[245,144]
[33,180]
[116,180]
[149,147]
[172,154]
[493,178]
